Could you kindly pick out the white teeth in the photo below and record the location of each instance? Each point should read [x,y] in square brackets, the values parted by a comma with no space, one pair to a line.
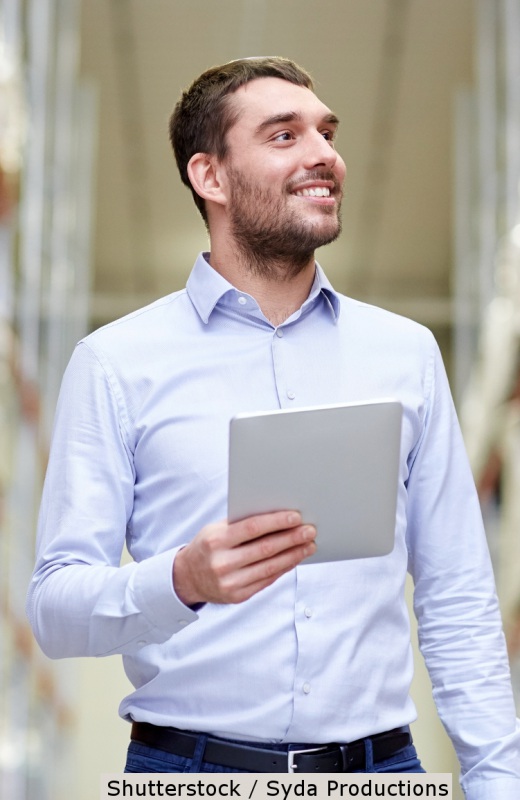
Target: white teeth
[316,191]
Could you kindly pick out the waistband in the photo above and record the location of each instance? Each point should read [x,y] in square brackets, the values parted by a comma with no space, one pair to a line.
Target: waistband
[255,757]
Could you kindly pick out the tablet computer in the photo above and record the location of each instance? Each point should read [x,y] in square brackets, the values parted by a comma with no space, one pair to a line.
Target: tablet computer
[337,464]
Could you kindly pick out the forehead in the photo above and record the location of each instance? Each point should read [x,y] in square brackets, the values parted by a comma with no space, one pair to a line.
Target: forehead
[268,97]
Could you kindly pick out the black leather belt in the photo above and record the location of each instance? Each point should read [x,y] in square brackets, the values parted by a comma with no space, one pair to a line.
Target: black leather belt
[320,758]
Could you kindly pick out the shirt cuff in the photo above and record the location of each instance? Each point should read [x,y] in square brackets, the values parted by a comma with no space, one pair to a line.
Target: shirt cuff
[496,789]
[155,595]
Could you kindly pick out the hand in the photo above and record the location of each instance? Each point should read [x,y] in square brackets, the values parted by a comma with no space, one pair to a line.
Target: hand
[229,563]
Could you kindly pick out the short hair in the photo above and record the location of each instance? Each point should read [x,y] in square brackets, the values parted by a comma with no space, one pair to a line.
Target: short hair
[203,115]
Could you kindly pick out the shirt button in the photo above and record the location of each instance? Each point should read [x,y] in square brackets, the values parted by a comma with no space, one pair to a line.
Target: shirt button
[279,333]
[242,300]
[141,643]
[182,622]
[291,395]
[306,688]
[308,612]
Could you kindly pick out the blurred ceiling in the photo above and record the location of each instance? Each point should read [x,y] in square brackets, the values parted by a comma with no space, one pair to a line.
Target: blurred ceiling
[390,70]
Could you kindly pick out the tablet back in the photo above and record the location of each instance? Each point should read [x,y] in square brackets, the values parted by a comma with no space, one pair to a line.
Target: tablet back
[338,465]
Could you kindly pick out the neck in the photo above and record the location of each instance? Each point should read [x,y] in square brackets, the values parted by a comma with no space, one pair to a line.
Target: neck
[278,287]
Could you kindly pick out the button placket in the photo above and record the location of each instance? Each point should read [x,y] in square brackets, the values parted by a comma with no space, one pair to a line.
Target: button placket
[285,392]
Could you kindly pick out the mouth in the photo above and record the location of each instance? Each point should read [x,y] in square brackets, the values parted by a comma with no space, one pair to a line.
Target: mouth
[320,188]
[325,197]
[313,191]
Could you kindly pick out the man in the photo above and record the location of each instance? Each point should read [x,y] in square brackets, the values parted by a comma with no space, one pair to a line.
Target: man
[240,655]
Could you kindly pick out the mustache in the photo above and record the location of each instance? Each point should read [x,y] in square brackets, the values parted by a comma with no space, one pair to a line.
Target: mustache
[314,175]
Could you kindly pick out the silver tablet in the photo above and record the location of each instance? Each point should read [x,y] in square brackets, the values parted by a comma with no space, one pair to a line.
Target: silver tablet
[338,465]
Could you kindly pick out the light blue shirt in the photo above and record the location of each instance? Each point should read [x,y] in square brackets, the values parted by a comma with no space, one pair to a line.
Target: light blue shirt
[139,453]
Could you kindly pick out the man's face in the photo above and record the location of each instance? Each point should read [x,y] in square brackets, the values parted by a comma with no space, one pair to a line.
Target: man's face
[284,176]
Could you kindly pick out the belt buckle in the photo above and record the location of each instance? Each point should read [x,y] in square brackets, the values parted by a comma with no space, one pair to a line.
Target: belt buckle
[291,766]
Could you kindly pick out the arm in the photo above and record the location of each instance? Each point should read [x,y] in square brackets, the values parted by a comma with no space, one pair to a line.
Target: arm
[460,630]
[81,602]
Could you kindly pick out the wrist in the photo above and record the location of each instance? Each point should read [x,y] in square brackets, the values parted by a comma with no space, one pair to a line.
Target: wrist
[182,583]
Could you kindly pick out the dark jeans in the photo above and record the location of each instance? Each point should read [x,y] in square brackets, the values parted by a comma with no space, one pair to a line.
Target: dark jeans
[142,758]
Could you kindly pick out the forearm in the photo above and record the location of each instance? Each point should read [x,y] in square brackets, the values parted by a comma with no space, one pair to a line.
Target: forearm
[93,610]
[463,646]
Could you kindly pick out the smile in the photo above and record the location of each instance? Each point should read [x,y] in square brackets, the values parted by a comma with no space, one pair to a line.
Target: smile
[315,191]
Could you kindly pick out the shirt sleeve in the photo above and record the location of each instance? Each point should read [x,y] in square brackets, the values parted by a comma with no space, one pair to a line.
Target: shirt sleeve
[81,601]
[460,628]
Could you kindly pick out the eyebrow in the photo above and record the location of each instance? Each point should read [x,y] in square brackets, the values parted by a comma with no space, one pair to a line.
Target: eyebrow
[292,116]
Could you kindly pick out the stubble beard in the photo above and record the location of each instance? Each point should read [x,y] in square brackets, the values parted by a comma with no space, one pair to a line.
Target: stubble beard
[273,241]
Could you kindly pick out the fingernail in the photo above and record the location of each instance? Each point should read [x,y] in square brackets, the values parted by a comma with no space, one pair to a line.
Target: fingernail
[294,518]
[309,532]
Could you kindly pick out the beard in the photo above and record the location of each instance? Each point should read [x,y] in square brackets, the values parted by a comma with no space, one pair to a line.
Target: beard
[274,240]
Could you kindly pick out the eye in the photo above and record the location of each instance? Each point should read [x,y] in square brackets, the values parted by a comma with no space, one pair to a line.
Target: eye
[285,136]
[328,136]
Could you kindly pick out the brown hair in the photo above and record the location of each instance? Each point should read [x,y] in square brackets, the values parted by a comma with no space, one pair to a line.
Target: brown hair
[203,115]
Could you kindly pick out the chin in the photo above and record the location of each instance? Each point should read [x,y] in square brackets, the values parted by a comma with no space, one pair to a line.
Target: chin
[324,234]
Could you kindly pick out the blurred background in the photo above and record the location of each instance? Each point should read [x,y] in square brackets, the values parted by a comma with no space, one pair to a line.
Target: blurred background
[94,222]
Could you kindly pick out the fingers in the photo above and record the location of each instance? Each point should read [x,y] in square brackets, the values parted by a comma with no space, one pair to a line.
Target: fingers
[265,549]
[253,527]
[243,584]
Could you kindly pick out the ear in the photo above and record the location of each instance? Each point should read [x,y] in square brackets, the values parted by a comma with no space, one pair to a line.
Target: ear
[205,176]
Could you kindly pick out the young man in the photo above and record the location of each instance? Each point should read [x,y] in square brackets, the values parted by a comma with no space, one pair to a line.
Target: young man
[238,655]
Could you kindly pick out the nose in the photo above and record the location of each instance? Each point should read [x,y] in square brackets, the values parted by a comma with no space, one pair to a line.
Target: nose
[320,152]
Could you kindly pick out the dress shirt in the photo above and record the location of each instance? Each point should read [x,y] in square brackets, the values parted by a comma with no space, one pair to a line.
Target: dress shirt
[139,452]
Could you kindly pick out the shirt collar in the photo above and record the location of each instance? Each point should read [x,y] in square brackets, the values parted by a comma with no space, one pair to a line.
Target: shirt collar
[206,286]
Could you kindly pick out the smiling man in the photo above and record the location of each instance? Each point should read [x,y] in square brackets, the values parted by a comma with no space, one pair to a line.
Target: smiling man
[276,197]
[244,659]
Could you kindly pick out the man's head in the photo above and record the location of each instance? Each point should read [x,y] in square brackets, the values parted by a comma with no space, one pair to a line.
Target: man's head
[204,114]
[263,170]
